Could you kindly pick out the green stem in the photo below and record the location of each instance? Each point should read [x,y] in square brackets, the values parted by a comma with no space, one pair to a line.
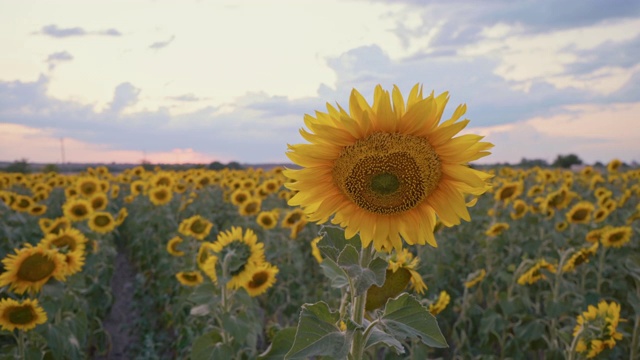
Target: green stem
[21,344]
[357,346]
[601,269]
[574,343]
[634,339]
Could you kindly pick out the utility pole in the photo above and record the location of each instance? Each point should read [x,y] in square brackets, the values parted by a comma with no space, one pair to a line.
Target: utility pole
[62,149]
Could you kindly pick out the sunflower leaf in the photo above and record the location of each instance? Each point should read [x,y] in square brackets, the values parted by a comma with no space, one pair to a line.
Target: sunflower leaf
[333,242]
[210,346]
[318,334]
[363,277]
[335,273]
[404,317]
[380,337]
[282,342]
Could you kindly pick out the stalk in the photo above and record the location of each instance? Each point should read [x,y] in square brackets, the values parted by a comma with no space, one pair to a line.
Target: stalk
[357,346]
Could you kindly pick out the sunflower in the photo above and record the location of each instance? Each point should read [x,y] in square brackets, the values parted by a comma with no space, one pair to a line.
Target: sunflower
[102,222]
[49,226]
[22,203]
[172,246]
[535,190]
[160,195]
[74,261]
[614,165]
[561,226]
[405,260]
[386,171]
[580,213]
[250,207]
[271,186]
[441,303]
[616,236]
[87,186]
[209,268]
[66,240]
[138,187]
[475,278]
[520,209]
[297,228]
[534,274]
[292,218]
[162,178]
[596,328]
[600,214]
[580,257]
[38,209]
[239,197]
[195,226]
[189,278]
[22,315]
[497,229]
[241,252]
[595,235]
[99,201]
[267,219]
[31,267]
[77,209]
[262,278]
[509,191]
[115,191]
[122,214]
[315,251]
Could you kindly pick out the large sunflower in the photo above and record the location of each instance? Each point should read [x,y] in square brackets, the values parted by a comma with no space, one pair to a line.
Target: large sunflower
[21,315]
[385,171]
[31,267]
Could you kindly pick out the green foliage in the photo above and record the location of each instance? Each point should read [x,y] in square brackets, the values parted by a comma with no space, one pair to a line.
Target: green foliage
[18,166]
[318,334]
[404,317]
[566,161]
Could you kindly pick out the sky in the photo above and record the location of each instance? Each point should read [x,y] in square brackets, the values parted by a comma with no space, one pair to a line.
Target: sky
[202,81]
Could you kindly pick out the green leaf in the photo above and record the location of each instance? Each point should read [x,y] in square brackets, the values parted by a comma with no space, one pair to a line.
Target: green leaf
[378,336]
[333,242]
[335,273]
[282,342]
[363,278]
[318,335]
[210,347]
[404,317]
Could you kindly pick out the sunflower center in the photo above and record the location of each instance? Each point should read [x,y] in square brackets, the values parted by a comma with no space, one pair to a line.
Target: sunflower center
[251,207]
[79,210]
[190,277]
[88,188]
[102,220]
[198,227]
[36,267]
[388,173]
[266,220]
[507,192]
[258,279]
[580,215]
[24,203]
[65,240]
[97,203]
[614,238]
[21,315]
[161,195]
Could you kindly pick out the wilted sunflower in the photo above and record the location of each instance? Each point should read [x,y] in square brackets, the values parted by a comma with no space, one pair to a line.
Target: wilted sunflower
[99,201]
[267,219]
[441,303]
[196,226]
[475,278]
[497,229]
[580,257]
[31,267]
[616,236]
[242,252]
[534,274]
[22,315]
[77,209]
[189,278]
[160,195]
[101,222]
[250,207]
[263,277]
[385,171]
[596,328]
[580,213]
[172,246]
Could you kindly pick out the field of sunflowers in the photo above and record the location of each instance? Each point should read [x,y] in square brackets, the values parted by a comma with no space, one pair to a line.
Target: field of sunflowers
[357,251]
[548,266]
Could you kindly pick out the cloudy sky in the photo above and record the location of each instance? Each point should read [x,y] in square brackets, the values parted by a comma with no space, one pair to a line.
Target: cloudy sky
[198,81]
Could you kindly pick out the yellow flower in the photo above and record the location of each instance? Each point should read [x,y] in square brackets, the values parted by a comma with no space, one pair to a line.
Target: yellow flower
[22,203]
[509,191]
[102,222]
[244,253]
[38,209]
[616,236]
[267,219]
[250,207]
[385,171]
[519,209]
[99,201]
[239,197]
[68,239]
[77,209]
[534,274]
[172,246]
[405,260]
[189,278]
[292,218]
[580,213]
[580,257]
[196,226]
[440,304]
[262,278]
[22,315]
[561,226]
[31,267]
[49,226]
[497,229]
[160,195]
[614,165]
[122,214]
[475,278]
[87,186]
[600,214]
[315,251]
[596,328]
[594,236]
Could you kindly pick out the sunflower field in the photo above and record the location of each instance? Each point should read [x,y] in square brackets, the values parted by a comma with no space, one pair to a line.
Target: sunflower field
[255,264]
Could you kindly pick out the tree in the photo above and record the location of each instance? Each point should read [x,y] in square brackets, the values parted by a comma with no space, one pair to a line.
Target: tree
[529,163]
[19,166]
[566,161]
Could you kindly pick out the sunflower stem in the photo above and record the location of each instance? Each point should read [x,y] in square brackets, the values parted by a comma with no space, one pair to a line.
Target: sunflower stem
[357,346]
[574,343]
[601,269]
[634,339]
[21,344]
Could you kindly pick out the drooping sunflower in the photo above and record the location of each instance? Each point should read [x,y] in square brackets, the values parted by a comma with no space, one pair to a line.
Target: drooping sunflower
[616,236]
[520,209]
[580,213]
[172,246]
[315,251]
[244,252]
[267,219]
[31,267]
[292,217]
[580,257]
[122,215]
[595,235]
[534,274]
[189,278]
[385,171]
[54,226]
[475,278]
[77,209]
[261,279]
[102,222]
[596,328]
[196,226]
[160,195]
[497,229]
[22,315]
[404,259]
[509,191]
[441,303]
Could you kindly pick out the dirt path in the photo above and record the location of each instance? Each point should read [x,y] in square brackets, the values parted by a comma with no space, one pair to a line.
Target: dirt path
[122,317]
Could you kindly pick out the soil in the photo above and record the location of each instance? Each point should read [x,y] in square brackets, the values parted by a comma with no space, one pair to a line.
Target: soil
[122,316]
